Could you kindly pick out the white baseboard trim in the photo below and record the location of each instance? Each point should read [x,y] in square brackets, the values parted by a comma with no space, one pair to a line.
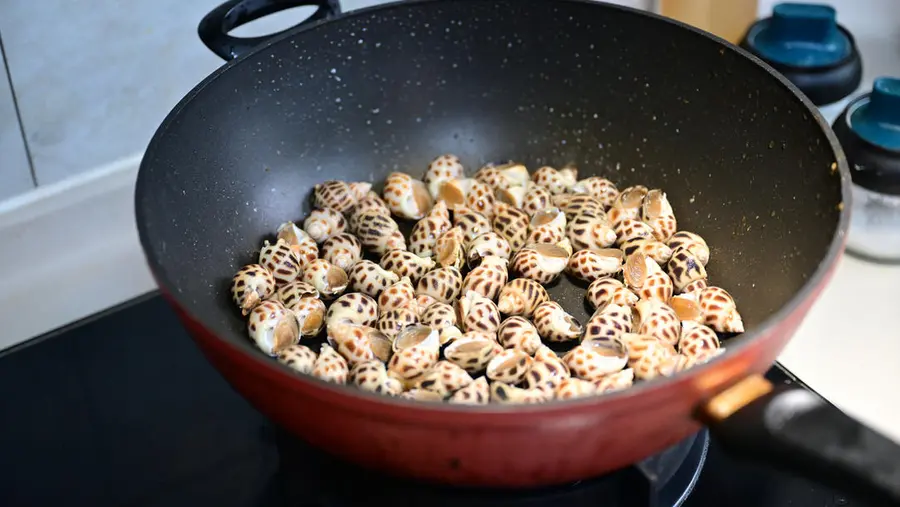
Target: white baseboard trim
[69,250]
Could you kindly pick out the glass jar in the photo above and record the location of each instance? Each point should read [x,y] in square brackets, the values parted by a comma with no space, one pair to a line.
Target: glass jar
[869,132]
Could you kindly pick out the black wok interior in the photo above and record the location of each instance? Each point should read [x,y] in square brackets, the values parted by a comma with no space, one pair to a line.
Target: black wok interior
[620,94]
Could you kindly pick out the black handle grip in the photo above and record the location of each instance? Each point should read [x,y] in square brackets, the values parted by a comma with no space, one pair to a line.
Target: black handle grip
[795,429]
[214,27]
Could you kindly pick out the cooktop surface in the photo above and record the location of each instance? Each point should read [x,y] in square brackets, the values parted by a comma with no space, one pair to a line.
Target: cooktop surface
[122,409]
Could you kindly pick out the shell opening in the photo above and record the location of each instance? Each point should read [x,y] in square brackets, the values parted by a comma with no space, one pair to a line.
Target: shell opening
[635,272]
[412,336]
[336,279]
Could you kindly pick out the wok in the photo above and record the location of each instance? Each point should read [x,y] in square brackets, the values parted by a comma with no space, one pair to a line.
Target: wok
[745,159]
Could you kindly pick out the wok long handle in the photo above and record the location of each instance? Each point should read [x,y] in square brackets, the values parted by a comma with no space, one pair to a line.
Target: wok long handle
[214,27]
[796,429]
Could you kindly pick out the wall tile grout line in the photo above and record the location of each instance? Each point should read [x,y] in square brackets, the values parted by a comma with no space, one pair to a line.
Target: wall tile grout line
[15,101]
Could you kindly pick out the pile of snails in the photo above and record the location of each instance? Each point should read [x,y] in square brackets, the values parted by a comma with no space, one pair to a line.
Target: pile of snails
[458,312]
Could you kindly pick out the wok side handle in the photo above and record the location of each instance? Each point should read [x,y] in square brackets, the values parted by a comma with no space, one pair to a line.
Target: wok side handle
[795,429]
[214,27]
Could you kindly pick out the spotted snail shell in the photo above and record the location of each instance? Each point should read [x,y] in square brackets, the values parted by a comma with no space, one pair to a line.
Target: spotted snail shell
[685,268]
[369,278]
[575,204]
[357,343]
[503,176]
[406,264]
[281,261]
[590,229]
[547,226]
[438,316]
[572,388]
[521,297]
[692,243]
[299,358]
[554,324]
[627,204]
[599,188]
[536,198]
[615,381]
[591,265]
[443,284]
[610,322]
[354,308]
[444,378]
[475,312]
[379,233]
[406,197]
[372,376]
[541,262]
[397,295]
[605,291]
[518,333]
[425,233]
[509,366]
[272,327]
[337,195]
[324,223]
[372,202]
[443,168]
[656,250]
[556,182]
[720,311]
[648,356]
[415,351]
[658,214]
[476,393]
[488,278]
[392,322]
[698,341]
[449,249]
[331,366]
[506,394]
[327,278]
[472,223]
[489,243]
[343,250]
[250,286]
[511,224]
[305,248]
[657,319]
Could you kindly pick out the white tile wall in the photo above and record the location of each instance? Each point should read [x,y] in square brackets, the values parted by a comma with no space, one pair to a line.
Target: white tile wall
[15,174]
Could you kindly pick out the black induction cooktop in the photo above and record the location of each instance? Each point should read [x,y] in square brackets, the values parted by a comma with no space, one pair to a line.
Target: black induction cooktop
[122,409]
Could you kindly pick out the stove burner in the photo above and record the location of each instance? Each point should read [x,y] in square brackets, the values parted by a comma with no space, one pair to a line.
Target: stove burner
[310,477]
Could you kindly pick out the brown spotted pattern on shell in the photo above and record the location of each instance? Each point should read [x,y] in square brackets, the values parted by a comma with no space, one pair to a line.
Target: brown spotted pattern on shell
[397,295]
[656,250]
[521,297]
[415,352]
[609,323]
[250,286]
[354,308]
[328,279]
[379,233]
[540,262]
[443,168]
[511,224]
[572,388]
[438,316]
[547,226]
[648,356]
[443,284]
[472,223]
[590,230]
[371,279]
[473,351]
[501,176]
[450,250]
[372,376]
[547,371]
[417,394]
[684,267]
[392,322]
[406,264]
[324,223]
[591,265]
[331,366]
[310,314]
[512,196]
[597,358]
[425,233]
[599,188]
[487,244]
[536,198]
[272,327]
[657,213]
[575,204]
[351,341]
[720,311]
[698,341]
[691,242]
[556,182]
[334,194]
[627,205]
[505,394]
[657,319]
[444,378]
[488,278]
[406,197]
[630,229]
[476,393]
[657,286]
[637,269]
[480,198]
[518,333]
[281,261]
[615,381]
[299,358]
[373,203]
[475,312]
[291,293]
[305,248]
[605,291]
[343,250]
[554,324]
[509,366]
